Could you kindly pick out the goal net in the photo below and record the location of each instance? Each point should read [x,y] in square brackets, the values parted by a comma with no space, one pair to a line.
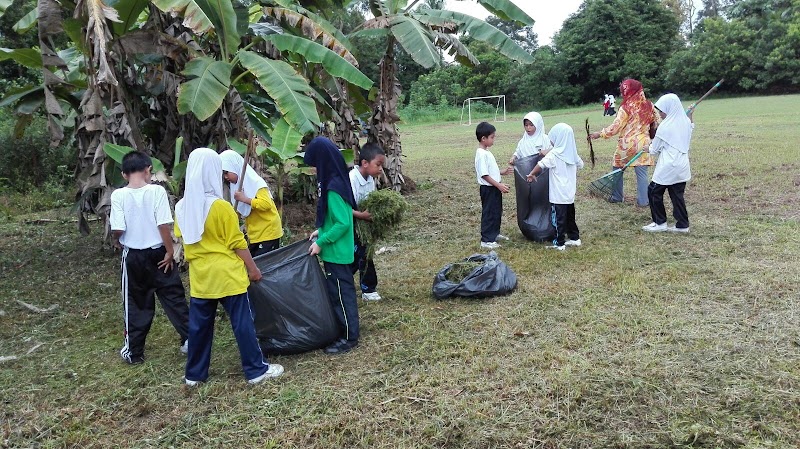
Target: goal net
[483,106]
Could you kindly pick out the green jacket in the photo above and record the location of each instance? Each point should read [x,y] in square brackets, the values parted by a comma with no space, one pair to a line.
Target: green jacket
[336,239]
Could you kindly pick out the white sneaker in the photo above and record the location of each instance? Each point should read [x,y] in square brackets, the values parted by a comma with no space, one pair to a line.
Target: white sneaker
[652,227]
[676,229]
[501,237]
[191,383]
[490,245]
[274,370]
[374,296]
[556,247]
[185,347]
[573,242]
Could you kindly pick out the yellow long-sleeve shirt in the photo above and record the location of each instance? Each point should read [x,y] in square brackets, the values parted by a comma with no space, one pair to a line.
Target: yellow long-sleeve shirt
[215,270]
[264,222]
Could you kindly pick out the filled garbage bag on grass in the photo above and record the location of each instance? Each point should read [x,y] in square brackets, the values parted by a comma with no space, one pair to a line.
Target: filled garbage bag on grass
[533,201]
[291,310]
[477,276]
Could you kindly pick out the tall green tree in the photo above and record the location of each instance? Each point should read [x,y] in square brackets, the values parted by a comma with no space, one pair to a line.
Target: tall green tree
[607,41]
[146,73]
[757,49]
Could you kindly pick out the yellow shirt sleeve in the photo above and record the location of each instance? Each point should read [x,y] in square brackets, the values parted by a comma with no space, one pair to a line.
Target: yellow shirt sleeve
[264,222]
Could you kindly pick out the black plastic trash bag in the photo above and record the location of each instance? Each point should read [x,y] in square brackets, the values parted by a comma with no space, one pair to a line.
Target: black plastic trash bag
[492,278]
[533,201]
[290,303]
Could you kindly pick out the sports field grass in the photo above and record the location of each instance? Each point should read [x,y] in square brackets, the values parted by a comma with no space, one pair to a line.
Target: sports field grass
[633,340]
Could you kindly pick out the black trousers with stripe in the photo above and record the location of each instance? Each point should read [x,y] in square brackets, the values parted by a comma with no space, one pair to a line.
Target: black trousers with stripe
[142,280]
[342,294]
[563,219]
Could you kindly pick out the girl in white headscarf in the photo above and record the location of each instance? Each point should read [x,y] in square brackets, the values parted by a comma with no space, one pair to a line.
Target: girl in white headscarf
[261,218]
[534,140]
[220,270]
[671,144]
[564,163]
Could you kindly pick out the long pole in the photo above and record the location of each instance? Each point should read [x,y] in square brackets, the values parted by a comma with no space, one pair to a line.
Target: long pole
[250,144]
[694,105]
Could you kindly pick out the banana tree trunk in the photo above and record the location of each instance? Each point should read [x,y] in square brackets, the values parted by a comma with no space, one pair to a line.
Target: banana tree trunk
[383,127]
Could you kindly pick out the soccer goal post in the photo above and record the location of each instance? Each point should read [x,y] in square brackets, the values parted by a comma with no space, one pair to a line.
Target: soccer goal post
[500,100]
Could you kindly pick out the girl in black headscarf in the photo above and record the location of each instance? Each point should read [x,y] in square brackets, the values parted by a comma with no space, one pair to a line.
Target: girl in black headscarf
[334,237]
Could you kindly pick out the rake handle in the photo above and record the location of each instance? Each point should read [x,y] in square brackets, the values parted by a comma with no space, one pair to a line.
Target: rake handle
[250,144]
[710,91]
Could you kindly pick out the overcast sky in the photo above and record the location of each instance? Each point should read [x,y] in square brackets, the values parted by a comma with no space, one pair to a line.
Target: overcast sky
[548,14]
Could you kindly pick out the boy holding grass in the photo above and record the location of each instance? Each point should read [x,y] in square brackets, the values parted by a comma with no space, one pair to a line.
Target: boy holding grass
[370,164]
[491,189]
[141,225]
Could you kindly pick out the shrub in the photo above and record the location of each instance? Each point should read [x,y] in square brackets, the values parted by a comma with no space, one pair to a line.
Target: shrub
[28,161]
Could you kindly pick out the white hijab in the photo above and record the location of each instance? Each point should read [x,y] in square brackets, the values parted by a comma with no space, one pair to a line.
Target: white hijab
[203,187]
[564,146]
[529,145]
[232,162]
[676,129]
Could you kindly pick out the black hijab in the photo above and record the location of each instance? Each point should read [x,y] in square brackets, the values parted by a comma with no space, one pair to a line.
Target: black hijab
[332,174]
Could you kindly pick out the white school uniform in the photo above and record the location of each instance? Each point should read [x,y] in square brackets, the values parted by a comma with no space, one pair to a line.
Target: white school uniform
[148,207]
[671,143]
[564,163]
[361,186]
[529,145]
[486,164]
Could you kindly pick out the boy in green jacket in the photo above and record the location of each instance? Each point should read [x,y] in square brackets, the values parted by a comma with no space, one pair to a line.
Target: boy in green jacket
[334,237]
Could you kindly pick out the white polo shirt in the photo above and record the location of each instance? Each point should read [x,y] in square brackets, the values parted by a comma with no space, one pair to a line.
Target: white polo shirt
[486,164]
[139,213]
[361,186]
[563,178]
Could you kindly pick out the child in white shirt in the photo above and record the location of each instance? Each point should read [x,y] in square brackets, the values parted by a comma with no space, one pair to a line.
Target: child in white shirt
[370,164]
[141,223]
[671,143]
[491,189]
[564,163]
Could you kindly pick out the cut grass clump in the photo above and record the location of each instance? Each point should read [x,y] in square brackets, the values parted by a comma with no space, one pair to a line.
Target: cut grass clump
[459,270]
[386,208]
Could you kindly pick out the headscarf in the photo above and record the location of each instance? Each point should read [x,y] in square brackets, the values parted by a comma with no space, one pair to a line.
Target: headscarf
[232,162]
[332,174]
[634,102]
[564,147]
[532,144]
[203,187]
[676,128]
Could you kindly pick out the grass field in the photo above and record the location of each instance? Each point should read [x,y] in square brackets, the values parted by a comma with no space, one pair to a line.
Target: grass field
[631,341]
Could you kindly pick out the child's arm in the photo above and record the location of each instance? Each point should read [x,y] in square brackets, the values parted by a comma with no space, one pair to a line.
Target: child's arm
[500,186]
[507,171]
[533,176]
[362,215]
[116,219]
[262,200]
[253,273]
[166,238]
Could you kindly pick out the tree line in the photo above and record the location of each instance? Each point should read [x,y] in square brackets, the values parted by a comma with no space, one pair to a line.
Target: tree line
[753,44]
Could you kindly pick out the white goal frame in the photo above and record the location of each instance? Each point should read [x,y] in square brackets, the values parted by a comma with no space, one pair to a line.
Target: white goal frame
[468,105]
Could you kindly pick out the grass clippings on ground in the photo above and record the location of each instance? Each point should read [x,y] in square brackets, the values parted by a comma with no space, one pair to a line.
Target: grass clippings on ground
[633,340]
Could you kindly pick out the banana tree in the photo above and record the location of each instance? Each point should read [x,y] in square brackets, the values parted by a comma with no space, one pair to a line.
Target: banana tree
[146,73]
[422,33]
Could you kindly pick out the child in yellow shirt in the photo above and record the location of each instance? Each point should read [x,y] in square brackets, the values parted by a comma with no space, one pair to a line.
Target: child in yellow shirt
[220,268]
[264,228]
